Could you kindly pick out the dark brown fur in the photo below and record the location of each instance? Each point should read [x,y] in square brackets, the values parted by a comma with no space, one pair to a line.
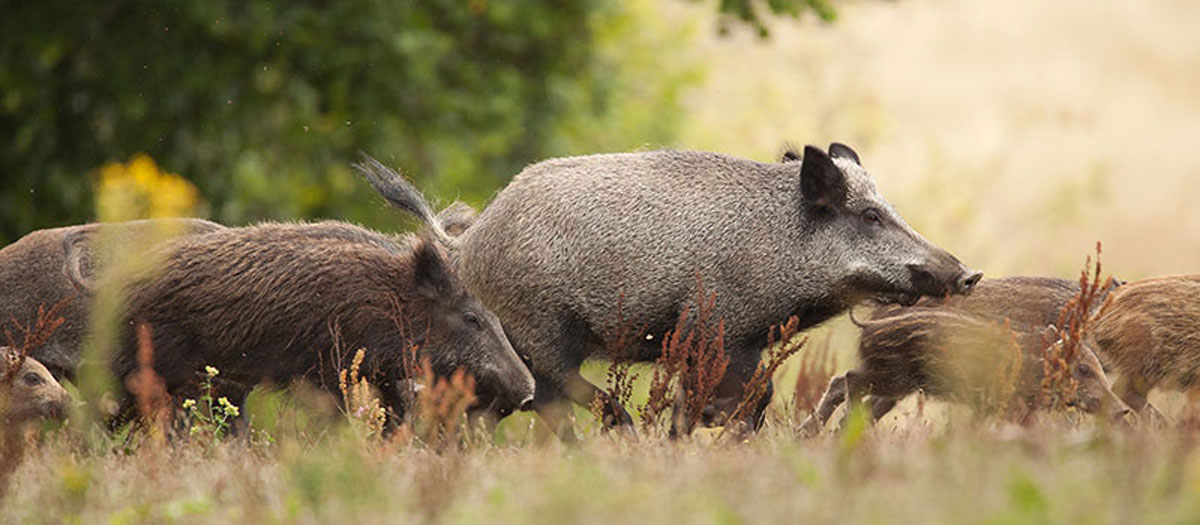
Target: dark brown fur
[33,272]
[1149,334]
[955,356]
[279,302]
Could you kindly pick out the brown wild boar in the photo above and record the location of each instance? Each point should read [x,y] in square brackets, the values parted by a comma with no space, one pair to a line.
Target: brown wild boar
[278,302]
[35,268]
[958,357]
[28,391]
[1148,333]
[1026,301]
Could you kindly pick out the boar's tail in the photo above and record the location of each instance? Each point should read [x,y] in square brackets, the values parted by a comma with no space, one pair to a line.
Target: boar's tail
[73,249]
[402,194]
[850,314]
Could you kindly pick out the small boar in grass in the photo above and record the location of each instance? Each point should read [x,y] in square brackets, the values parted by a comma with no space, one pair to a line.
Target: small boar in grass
[28,391]
[37,272]
[957,357]
[1026,301]
[1148,333]
[279,302]
[571,242]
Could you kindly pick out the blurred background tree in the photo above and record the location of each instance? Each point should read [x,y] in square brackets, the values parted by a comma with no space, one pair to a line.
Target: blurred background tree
[263,104]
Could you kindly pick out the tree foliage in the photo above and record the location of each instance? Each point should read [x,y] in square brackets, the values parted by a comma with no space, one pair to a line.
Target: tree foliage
[263,104]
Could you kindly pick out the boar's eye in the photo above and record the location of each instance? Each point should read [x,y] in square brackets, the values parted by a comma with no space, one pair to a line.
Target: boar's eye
[871,216]
[472,320]
[32,379]
[1083,371]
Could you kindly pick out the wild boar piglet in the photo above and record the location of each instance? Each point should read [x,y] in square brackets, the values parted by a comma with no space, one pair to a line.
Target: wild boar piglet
[31,391]
[985,362]
[1148,334]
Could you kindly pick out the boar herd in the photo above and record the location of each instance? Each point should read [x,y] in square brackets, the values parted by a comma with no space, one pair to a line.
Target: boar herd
[520,294]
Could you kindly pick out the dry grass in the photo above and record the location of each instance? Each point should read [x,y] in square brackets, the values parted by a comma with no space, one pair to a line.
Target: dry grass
[689,369]
[967,473]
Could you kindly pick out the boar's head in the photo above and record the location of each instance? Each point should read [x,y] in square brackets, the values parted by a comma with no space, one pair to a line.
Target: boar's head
[877,254]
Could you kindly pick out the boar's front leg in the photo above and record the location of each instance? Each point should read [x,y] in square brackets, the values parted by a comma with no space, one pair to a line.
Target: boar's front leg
[1134,391]
[834,395]
[880,406]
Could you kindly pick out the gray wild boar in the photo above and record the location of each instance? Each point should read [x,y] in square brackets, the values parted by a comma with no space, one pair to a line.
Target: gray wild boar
[569,239]
[273,303]
[35,272]
[961,357]
[1148,333]
[28,391]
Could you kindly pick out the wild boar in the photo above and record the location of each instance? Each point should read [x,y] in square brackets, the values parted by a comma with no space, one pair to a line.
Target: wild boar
[1027,301]
[959,357]
[1148,332]
[35,268]
[570,242]
[28,391]
[278,302]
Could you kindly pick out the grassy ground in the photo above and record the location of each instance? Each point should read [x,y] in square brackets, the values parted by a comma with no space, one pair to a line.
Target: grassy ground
[913,471]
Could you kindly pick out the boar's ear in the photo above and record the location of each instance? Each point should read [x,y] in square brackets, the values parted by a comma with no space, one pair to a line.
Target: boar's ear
[838,150]
[822,184]
[431,274]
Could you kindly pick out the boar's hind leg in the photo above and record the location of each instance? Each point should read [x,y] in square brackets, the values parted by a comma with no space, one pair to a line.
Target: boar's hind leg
[835,394]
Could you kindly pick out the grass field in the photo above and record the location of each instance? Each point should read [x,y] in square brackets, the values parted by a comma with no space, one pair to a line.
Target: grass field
[910,472]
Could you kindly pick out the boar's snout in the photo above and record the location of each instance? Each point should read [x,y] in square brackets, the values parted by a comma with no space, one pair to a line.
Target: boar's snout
[943,279]
[967,281]
[515,381]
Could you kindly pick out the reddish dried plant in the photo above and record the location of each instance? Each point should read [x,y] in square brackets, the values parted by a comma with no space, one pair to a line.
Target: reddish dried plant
[817,367]
[691,366]
[1058,385]
[622,352]
[782,343]
[149,390]
[31,337]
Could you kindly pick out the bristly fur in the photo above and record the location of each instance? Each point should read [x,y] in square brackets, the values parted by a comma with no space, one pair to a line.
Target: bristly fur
[791,153]
[37,272]
[958,356]
[1147,332]
[278,302]
[567,237]
[402,194]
